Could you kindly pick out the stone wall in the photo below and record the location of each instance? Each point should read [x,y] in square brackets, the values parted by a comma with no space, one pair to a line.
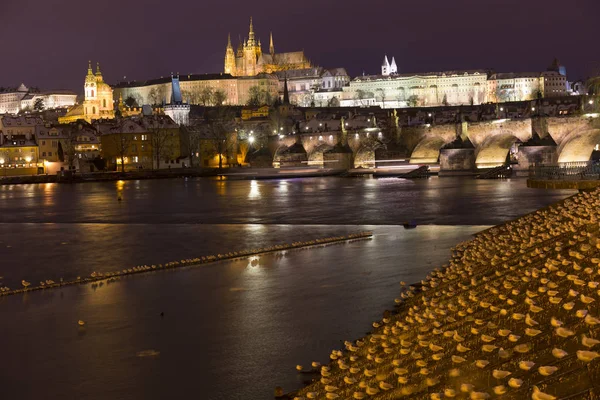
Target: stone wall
[457,159]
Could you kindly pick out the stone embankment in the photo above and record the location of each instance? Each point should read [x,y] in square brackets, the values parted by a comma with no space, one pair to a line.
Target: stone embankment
[514,315]
[110,276]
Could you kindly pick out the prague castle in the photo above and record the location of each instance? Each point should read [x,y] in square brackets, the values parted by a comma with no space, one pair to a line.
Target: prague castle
[249,59]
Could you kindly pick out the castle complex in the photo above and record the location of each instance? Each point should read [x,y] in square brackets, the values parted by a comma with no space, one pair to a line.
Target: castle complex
[249,60]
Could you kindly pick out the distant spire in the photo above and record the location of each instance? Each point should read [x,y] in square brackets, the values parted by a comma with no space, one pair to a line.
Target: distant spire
[386,63]
[286,94]
[393,66]
[251,33]
[271,45]
[229,46]
[98,73]
[90,72]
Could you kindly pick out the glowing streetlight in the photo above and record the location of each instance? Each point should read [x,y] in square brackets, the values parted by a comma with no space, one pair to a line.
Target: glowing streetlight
[28,159]
[532,108]
[251,139]
[501,108]
[591,102]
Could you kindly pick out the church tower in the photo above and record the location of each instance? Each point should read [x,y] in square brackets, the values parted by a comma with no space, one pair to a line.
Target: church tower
[90,102]
[385,67]
[393,67]
[98,100]
[251,53]
[271,45]
[230,58]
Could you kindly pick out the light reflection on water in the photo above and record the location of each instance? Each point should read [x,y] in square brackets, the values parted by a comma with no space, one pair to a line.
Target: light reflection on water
[235,329]
[440,201]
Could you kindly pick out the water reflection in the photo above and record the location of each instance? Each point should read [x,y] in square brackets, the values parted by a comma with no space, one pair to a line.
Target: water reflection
[254,190]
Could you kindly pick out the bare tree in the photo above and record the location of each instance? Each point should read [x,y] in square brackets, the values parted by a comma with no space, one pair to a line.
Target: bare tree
[131,102]
[193,136]
[206,96]
[157,95]
[381,93]
[161,139]
[119,144]
[218,97]
[220,124]
[67,145]
[413,100]
[361,97]
[255,98]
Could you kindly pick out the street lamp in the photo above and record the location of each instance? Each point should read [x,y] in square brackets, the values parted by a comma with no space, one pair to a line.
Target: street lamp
[2,164]
[251,139]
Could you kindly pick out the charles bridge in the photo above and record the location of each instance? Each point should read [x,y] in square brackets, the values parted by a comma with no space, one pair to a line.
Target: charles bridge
[363,140]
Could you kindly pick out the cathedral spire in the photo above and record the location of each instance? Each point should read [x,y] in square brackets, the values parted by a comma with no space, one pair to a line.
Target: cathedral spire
[98,73]
[271,45]
[251,33]
[90,72]
[229,46]
[286,93]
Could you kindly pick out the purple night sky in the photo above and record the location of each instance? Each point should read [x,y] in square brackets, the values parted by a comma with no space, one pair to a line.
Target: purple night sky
[48,43]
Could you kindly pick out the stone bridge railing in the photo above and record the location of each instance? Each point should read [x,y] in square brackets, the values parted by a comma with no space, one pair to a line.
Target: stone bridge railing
[567,171]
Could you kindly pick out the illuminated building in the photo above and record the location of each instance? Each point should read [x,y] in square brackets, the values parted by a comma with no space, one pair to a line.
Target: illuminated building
[198,89]
[249,59]
[13,101]
[132,138]
[18,148]
[98,100]
[391,89]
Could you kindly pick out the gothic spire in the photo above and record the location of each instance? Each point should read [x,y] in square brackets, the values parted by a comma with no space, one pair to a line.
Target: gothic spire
[229,46]
[386,63]
[286,94]
[251,33]
[271,45]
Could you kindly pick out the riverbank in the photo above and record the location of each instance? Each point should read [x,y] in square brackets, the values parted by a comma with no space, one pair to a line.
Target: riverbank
[515,313]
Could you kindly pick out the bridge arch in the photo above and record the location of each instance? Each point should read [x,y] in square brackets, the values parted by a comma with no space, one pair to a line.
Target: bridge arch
[364,156]
[578,145]
[494,149]
[427,150]
[315,157]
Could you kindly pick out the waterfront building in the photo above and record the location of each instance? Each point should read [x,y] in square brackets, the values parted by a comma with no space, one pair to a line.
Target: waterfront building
[135,141]
[74,146]
[98,100]
[18,148]
[249,59]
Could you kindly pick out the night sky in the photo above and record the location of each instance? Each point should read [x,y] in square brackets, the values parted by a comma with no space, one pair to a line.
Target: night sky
[47,43]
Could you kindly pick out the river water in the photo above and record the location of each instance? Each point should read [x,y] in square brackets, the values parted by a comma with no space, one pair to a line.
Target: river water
[230,330]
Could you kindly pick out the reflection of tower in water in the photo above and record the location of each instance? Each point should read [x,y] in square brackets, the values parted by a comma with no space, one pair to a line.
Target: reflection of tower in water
[120,186]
